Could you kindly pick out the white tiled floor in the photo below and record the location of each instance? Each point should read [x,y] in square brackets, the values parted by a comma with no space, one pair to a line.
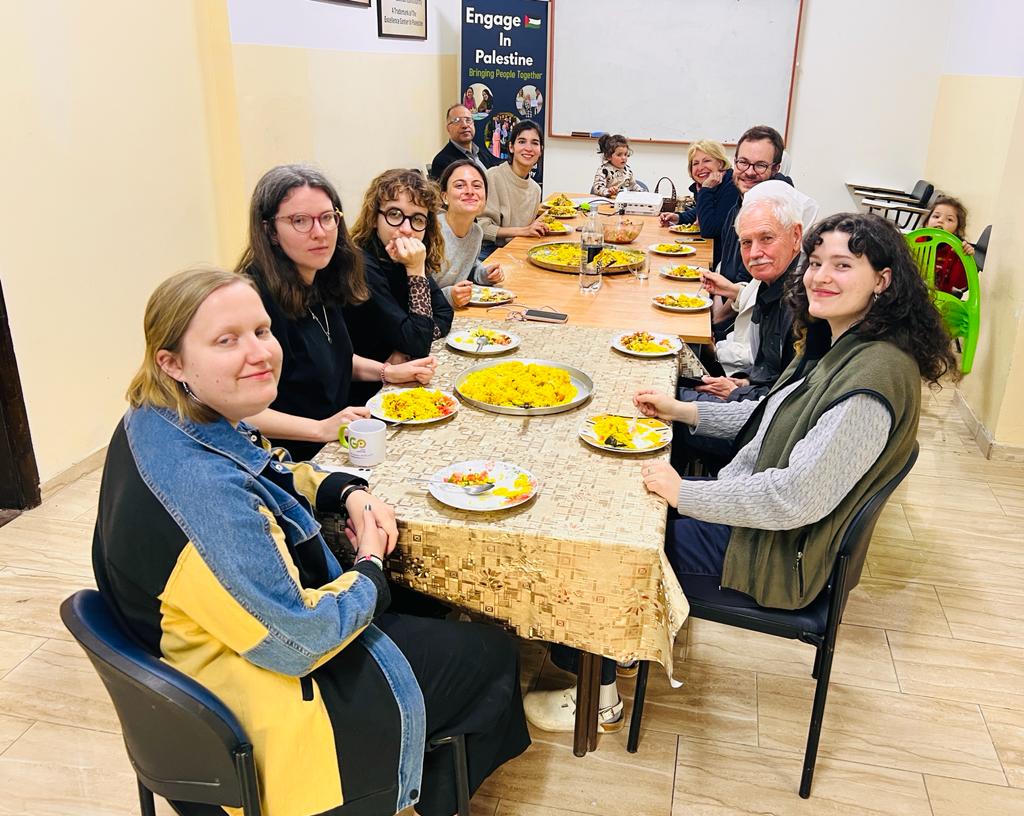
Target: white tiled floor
[925,714]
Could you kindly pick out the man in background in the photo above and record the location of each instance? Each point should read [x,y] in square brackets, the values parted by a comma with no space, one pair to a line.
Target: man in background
[758,158]
[461,130]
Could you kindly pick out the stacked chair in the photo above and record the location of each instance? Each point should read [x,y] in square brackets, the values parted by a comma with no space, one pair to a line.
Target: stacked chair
[903,207]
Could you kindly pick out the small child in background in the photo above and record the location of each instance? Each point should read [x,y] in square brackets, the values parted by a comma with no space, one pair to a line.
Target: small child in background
[614,174]
[947,213]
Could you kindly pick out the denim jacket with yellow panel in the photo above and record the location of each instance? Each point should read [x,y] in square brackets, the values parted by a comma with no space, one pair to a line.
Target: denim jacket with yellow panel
[207,545]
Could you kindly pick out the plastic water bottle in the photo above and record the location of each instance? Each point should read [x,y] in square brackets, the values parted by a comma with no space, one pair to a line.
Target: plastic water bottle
[591,244]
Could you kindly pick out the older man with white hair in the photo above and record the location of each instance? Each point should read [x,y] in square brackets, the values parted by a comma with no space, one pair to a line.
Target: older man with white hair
[770,226]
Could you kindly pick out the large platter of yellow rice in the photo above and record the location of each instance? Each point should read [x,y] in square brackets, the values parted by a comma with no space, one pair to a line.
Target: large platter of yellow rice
[412,406]
[564,256]
[524,387]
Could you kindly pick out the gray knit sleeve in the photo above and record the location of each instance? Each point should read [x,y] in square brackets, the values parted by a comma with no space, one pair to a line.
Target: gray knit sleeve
[479,274]
[823,467]
[723,420]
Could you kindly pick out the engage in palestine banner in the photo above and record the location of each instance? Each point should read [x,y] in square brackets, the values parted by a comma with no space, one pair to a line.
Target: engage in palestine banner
[504,68]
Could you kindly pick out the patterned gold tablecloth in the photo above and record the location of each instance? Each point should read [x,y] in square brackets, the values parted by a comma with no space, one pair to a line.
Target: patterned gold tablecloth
[581,563]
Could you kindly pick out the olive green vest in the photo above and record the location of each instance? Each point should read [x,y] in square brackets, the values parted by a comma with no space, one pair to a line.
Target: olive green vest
[786,569]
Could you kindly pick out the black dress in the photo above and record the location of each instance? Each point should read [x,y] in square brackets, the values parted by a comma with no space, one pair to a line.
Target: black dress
[383,324]
[316,374]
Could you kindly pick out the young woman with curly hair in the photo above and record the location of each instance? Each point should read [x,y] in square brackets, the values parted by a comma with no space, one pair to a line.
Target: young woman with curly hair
[402,248]
[840,423]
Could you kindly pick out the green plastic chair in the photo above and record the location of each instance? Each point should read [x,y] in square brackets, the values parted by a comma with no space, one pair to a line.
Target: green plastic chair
[962,317]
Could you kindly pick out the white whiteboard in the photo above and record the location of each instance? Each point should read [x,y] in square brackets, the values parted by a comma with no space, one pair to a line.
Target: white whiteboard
[671,70]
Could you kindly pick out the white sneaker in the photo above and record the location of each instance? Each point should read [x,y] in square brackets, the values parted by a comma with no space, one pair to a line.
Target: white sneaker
[556,711]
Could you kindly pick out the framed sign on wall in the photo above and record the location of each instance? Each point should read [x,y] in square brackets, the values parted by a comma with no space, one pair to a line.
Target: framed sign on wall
[402,19]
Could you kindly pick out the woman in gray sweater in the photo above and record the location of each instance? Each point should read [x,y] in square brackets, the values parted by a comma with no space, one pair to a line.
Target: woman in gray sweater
[464,195]
[513,197]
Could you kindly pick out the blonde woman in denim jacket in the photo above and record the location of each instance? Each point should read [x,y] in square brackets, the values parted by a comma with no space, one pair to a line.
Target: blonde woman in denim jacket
[207,546]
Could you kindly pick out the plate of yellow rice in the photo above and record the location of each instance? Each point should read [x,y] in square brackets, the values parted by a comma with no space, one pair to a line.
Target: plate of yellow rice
[412,406]
[646,344]
[498,342]
[678,302]
[685,229]
[619,434]
[524,387]
[512,485]
[672,248]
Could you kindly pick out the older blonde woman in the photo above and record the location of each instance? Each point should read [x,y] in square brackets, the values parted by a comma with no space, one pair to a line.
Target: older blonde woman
[709,167]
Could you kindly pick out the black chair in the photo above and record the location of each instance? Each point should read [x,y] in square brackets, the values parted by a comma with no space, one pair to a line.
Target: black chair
[981,247]
[816,624]
[904,208]
[920,194]
[183,742]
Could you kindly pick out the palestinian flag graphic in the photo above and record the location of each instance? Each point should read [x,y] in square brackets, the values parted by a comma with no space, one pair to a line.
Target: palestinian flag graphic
[532,22]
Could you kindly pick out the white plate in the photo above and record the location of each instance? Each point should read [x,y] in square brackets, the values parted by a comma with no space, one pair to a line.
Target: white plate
[503,474]
[565,229]
[465,341]
[376,406]
[685,249]
[665,272]
[678,230]
[501,296]
[675,345]
[650,435]
[575,201]
[707,304]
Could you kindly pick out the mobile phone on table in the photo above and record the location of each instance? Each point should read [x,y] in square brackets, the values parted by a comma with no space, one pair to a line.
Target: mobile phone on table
[543,316]
[691,382]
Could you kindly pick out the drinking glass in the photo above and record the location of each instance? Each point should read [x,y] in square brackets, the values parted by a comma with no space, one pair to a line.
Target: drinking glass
[643,269]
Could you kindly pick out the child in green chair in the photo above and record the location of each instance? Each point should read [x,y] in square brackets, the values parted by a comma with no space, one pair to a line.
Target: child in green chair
[947,213]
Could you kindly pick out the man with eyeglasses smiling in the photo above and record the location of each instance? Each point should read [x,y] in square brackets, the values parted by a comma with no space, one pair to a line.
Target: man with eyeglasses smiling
[758,156]
[461,130]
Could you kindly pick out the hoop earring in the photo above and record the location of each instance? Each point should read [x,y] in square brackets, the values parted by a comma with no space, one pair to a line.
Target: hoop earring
[190,393]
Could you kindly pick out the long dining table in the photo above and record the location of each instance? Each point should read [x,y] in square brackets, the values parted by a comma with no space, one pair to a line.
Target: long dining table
[622,300]
[582,562]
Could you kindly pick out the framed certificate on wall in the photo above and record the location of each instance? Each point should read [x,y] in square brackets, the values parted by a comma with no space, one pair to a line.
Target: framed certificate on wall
[403,19]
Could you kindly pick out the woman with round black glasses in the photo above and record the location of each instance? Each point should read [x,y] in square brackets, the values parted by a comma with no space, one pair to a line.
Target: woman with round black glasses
[403,249]
[306,268]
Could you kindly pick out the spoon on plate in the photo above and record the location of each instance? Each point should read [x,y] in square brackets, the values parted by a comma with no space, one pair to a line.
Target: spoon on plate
[472,490]
[481,342]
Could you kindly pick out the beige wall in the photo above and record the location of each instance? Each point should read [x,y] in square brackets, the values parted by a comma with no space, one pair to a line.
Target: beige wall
[977,153]
[108,189]
[134,136]
[344,111]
